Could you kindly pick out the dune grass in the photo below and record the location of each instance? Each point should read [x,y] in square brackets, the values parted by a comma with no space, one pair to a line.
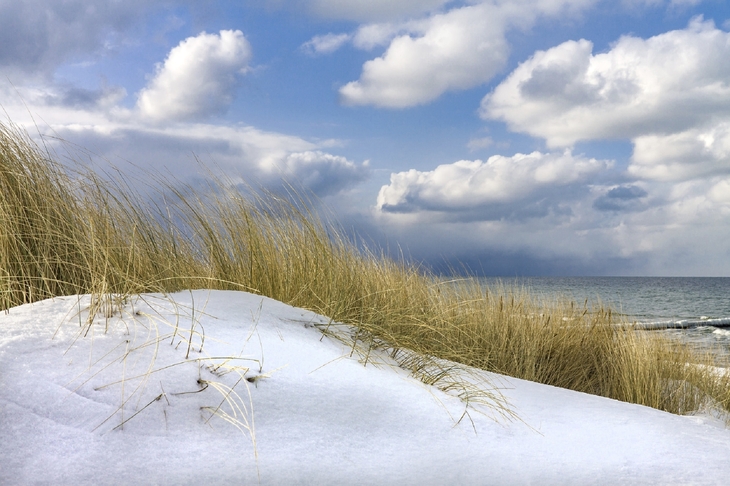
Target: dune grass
[72,231]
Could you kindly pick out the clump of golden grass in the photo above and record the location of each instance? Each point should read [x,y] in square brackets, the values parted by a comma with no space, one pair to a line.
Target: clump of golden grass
[558,343]
[81,233]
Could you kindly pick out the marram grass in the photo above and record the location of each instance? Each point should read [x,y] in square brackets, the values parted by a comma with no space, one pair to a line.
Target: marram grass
[68,232]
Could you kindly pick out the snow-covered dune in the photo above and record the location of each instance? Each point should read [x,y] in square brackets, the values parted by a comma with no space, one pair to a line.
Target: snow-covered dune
[268,399]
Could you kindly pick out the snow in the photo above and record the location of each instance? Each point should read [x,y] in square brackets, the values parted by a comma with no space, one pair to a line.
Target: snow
[312,412]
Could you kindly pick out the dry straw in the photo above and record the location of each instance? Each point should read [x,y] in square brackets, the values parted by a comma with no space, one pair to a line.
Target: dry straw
[75,232]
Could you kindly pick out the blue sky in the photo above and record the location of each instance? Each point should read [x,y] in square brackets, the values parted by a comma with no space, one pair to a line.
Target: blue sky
[528,137]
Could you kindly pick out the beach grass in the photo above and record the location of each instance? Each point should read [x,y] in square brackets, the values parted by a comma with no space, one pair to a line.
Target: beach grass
[69,230]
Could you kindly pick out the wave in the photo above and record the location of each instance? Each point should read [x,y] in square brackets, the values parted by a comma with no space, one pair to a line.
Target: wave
[682,323]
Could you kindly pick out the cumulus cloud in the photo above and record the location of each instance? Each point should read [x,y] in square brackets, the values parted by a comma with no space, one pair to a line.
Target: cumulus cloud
[455,50]
[663,85]
[325,44]
[682,236]
[369,36]
[524,185]
[322,173]
[89,119]
[198,78]
[639,228]
[263,157]
[694,153]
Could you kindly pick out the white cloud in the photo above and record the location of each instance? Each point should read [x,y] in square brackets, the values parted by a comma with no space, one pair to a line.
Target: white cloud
[663,85]
[456,50]
[325,44]
[369,36]
[261,157]
[590,226]
[245,153]
[693,153]
[198,78]
[523,185]
[90,120]
[322,173]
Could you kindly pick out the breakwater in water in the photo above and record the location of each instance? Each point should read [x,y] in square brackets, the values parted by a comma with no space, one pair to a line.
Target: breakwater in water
[682,324]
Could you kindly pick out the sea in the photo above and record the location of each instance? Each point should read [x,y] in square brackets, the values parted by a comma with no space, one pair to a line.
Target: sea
[695,310]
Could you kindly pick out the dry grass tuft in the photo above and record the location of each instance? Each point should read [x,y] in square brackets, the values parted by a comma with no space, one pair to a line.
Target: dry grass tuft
[65,232]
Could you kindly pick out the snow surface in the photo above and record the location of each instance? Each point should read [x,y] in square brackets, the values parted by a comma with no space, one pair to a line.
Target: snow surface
[318,415]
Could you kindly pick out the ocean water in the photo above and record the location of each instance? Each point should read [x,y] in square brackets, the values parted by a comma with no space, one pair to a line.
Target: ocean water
[691,301]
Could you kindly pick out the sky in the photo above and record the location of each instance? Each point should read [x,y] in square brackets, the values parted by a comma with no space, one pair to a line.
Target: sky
[267,399]
[526,137]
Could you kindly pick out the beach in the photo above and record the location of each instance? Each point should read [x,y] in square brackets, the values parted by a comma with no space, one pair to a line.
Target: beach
[267,398]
